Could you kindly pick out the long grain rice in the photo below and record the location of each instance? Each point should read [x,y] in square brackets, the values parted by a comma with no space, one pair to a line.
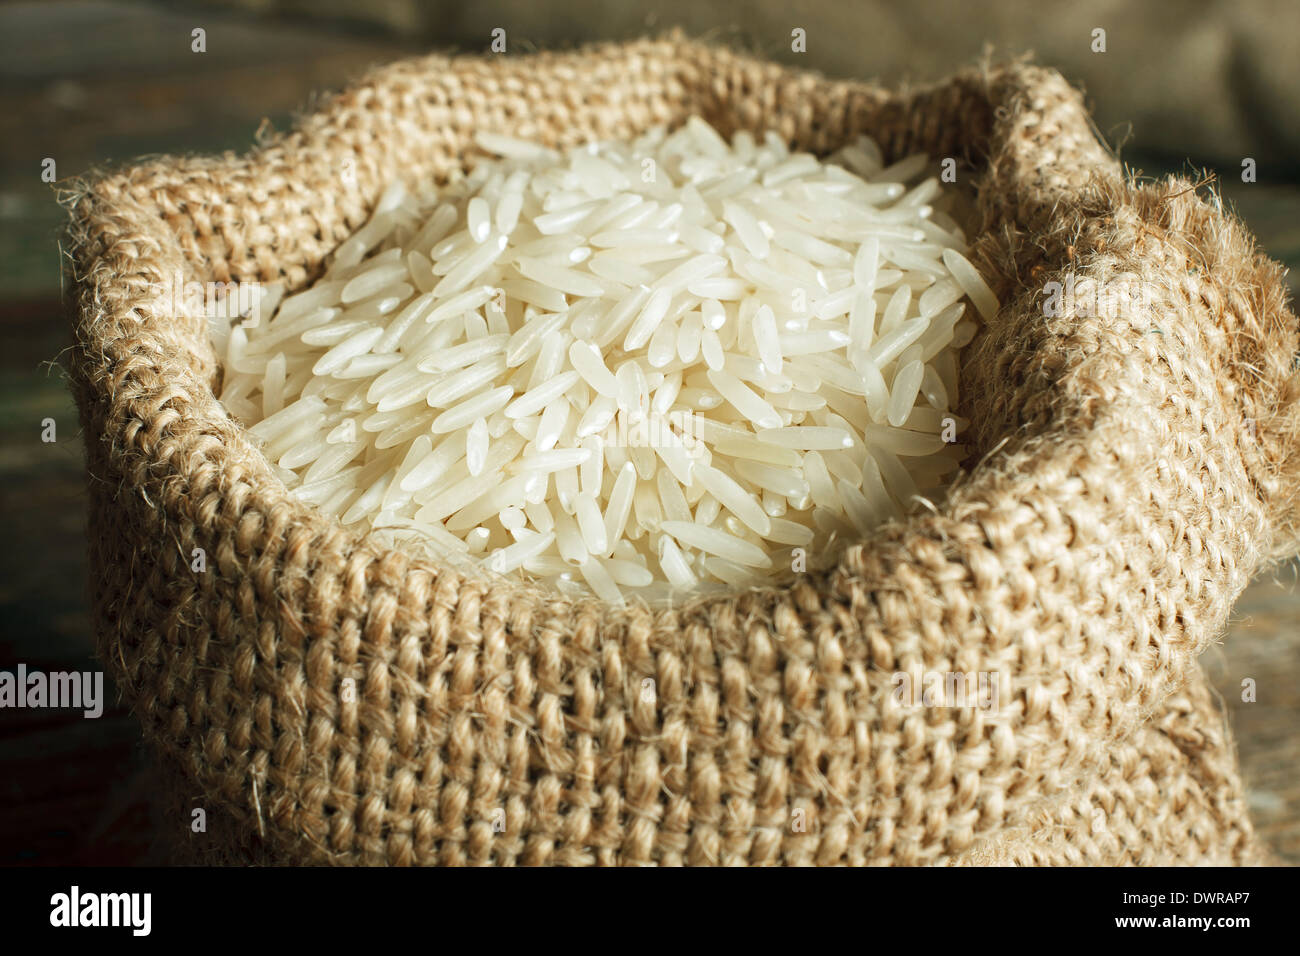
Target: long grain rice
[560,370]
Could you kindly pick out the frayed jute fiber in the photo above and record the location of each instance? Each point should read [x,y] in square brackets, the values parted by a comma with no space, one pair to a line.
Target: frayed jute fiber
[1130,472]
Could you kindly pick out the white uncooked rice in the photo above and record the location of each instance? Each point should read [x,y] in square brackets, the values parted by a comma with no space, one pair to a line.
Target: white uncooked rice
[626,369]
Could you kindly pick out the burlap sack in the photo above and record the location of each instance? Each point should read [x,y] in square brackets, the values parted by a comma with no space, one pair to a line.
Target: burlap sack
[1130,473]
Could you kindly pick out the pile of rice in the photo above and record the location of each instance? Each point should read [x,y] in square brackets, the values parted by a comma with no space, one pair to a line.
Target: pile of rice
[646,368]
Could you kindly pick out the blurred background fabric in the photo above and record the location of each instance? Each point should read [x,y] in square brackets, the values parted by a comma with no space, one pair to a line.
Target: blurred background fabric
[1181,87]
[1217,72]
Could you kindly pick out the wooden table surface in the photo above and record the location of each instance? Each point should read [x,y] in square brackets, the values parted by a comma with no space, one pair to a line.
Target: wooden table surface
[91,83]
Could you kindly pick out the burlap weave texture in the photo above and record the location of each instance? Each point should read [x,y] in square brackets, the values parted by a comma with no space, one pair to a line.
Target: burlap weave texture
[1131,473]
